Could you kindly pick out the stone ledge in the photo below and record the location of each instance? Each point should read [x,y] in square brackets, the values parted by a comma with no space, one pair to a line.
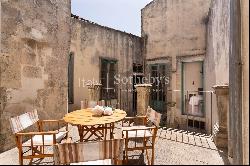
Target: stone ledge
[143,85]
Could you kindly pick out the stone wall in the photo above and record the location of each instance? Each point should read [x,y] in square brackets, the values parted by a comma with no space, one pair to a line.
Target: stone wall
[35,37]
[175,32]
[239,81]
[175,27]
[228,28]
[89,43]
[216,64]
[245,70]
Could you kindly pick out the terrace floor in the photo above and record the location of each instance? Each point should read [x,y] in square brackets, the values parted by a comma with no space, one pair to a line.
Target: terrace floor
[173,147]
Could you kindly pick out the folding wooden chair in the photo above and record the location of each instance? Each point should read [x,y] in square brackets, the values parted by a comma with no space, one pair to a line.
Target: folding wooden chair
[37,141]
[107,152]
[143,135]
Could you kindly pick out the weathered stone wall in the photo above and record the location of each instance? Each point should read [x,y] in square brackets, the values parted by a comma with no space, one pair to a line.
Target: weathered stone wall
[216,64]
[35,38]
[89,43]
[239,81]
[175,29]
[245,70]
[228,45]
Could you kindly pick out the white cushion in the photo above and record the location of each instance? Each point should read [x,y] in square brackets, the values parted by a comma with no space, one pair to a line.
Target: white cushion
[48,139]
[97,162]
[138,133]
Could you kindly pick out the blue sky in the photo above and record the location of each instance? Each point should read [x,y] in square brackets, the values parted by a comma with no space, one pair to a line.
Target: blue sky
[124,15]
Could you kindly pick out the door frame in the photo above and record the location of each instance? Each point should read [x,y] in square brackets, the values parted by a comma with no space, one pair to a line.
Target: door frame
[164,97]
[183,107]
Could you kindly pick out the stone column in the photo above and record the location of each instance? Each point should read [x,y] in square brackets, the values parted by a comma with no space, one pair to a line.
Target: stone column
[143,92]
[94,92]
[220,133]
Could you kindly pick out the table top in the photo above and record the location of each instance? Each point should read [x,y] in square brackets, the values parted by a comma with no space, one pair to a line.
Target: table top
[85,117]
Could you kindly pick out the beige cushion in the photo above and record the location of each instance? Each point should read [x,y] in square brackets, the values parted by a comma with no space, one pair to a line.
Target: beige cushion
[138,133]
[48,139]
[154,116]
[97,162]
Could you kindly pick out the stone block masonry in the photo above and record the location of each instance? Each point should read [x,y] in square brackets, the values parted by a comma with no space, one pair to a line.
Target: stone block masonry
[35,41]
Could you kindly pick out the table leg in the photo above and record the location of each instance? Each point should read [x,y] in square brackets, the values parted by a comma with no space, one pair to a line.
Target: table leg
[112,126]
[80,131]
[95,130]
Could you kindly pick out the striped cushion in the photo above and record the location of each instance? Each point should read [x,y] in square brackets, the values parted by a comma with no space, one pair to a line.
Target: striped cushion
[23,121]
[88,151]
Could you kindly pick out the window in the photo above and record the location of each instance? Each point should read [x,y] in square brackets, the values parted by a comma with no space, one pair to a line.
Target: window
[108,72]
[71,79]
[137,68]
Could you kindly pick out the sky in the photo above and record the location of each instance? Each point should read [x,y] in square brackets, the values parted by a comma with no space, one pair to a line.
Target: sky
[124,15]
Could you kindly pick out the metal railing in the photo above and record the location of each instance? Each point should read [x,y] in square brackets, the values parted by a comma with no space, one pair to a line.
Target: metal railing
[193,108]
[196,109]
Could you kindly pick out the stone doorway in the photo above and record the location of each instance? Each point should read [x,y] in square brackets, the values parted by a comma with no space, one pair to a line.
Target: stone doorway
[158,92]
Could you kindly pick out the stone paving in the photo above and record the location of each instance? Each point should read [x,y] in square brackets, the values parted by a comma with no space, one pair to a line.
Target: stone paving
[173,147]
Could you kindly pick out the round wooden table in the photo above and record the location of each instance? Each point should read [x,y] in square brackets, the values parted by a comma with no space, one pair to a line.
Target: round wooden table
[87,122]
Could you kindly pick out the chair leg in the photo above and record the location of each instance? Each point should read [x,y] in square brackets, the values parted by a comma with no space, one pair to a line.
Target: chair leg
[126,151]
[20,155]
[153,156]
[144,144]
[147,156]
[126,156]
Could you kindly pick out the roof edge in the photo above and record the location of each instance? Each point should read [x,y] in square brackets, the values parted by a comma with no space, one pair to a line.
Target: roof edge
[102,26]
[149,4]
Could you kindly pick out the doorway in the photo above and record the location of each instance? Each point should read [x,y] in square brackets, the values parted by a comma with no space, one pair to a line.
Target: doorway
[158,91]
[192,89]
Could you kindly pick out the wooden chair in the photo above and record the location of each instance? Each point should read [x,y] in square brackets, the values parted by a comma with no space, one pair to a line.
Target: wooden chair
[91,104]
[107,152]
[37,141]
[143,135]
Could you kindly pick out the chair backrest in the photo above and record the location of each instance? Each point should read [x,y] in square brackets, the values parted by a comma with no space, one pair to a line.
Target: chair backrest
[91,104]
[88,151]
[23,121]
[153,116]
